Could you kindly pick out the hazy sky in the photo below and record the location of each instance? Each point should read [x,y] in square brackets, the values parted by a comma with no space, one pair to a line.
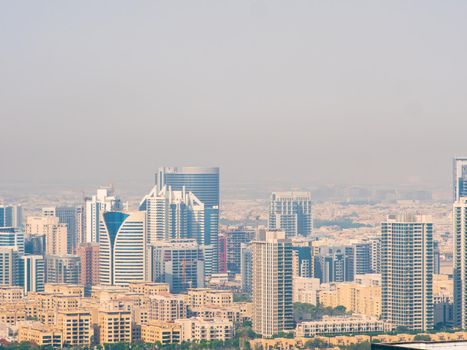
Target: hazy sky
[299,91]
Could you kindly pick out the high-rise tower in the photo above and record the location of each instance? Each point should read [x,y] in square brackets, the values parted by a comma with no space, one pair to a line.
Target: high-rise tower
[69,216]
[56,234]
[203,182]
[89,259]
[103,201]
[178,262]
[291,213]
[11,216]
[272,284]
[10,268]
[407,271]
[122,248]
[34,273]
[459,222]
[459,181]
[176,214]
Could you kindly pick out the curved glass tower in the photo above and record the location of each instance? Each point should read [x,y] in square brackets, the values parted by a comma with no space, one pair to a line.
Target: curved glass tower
[122,248]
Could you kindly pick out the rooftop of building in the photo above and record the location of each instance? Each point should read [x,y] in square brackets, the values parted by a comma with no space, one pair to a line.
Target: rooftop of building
[409,217]
[457,345]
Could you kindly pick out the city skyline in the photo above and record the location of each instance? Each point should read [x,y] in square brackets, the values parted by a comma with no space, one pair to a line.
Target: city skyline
[233,175]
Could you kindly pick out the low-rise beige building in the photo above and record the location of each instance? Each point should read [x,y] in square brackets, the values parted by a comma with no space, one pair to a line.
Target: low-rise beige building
[65,289]
[103,293]
[114,326]
[10,294]
[148,288]
[198,329]
[160,331]
[167,307]
[231,312]
[11,315]
[358,298]
[341,325]
[205,296]
[306,290]
[40,334]
[57,301]
[76,326]
[369,279]
[328,298]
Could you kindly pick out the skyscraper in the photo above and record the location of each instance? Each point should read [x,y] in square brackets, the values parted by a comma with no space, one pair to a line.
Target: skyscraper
[11,216]
[222,254]
[176,214]
[173,214]
[69,216]
[103,201]
[234,239]
[436,258]
[407,271]
[56,234]
[375,254]
[272,284]
[10,270]
[361,258]
[459,223]
[89,258]
[459,178]
[122,248]
[291,213]
[34,273]
[302,261]
[203,182]
[332,264]
[178,262]
[246,267]
[13,237]
[34,244]
[63,269]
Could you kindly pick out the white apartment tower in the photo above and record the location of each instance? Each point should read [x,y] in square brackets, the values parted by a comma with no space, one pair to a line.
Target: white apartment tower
[122,248]
[459,224]
[291,213]
[459,181]
[180,215]
[173,214]
[272,284]
[34,273]
[407,271]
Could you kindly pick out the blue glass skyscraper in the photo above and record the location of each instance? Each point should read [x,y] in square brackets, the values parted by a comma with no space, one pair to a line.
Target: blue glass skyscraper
[203,182]
[11,216]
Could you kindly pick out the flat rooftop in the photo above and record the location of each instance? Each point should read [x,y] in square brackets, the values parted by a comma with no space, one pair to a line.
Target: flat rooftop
[457,345]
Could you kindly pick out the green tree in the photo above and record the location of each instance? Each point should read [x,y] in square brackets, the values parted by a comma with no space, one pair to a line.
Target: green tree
[422,337]
[309,312]
[316,343]
[360,346]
